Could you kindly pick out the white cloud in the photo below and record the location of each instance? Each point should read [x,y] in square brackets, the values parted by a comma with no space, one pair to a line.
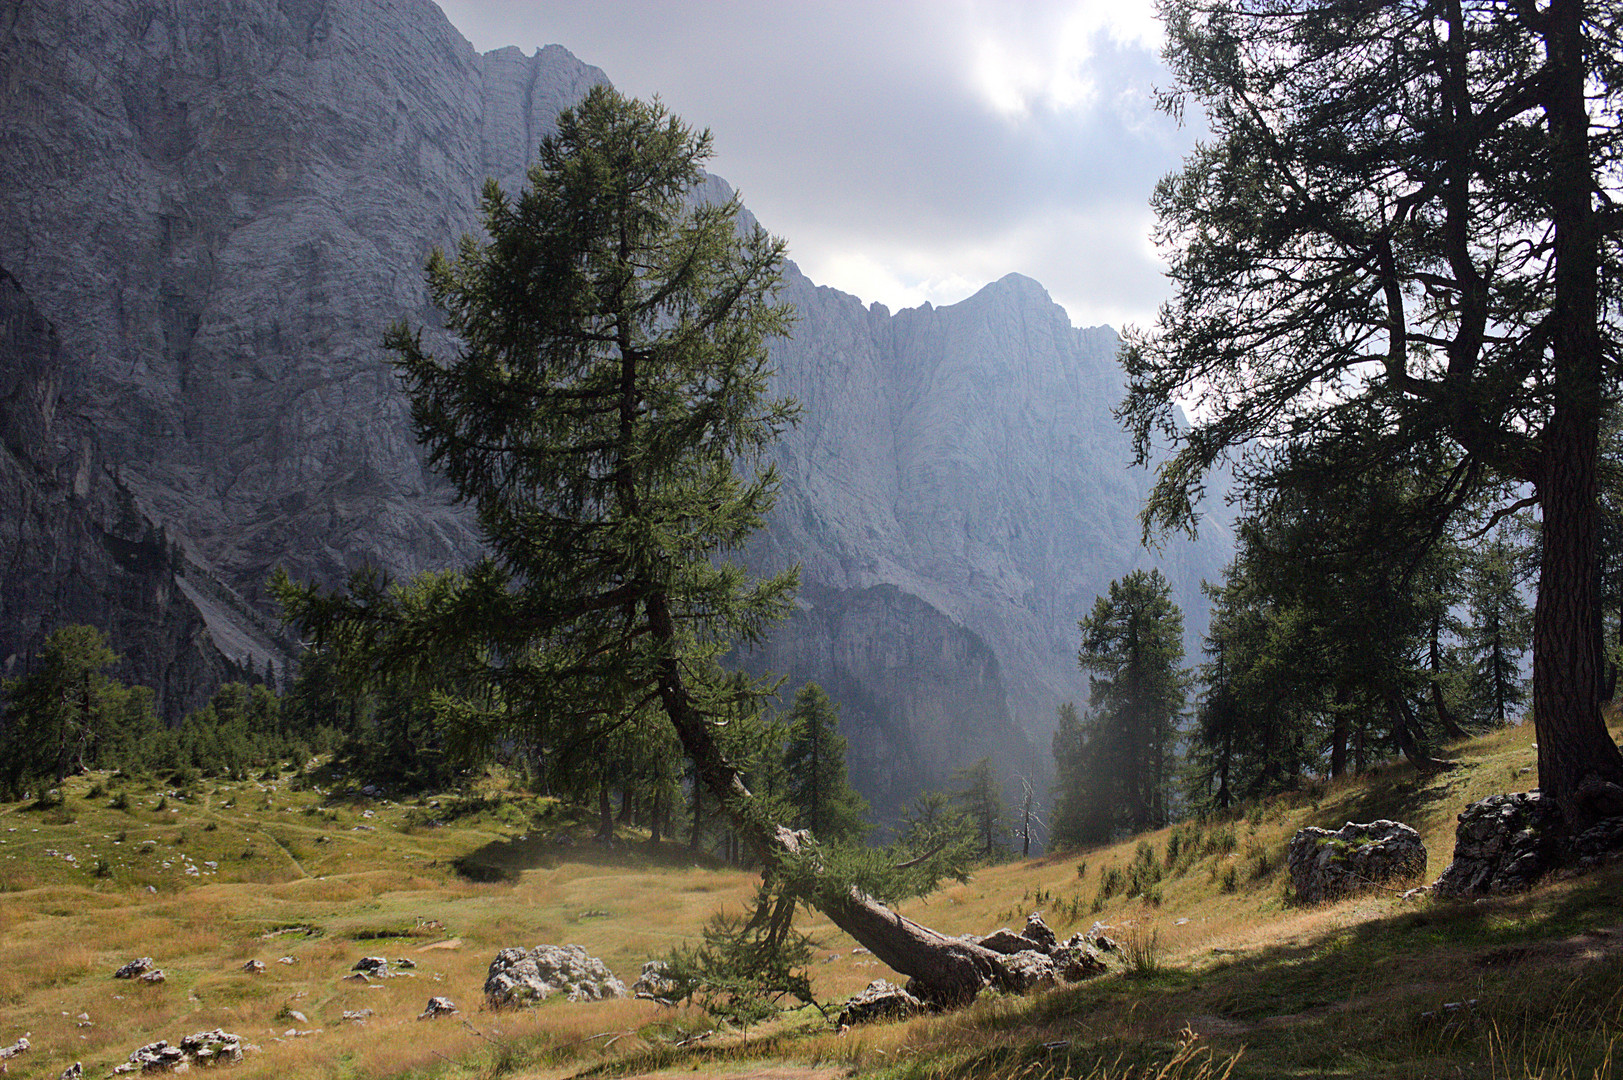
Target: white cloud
[908,151]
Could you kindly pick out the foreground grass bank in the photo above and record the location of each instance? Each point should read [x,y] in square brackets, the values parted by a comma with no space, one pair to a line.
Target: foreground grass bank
[206,880]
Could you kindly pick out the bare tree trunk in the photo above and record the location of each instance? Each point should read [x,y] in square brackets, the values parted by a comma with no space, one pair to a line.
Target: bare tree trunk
[1578,763]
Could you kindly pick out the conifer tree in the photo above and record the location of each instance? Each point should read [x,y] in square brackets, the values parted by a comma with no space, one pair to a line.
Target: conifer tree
[1132,643]
[605,410]
[1406,219]
[814,759]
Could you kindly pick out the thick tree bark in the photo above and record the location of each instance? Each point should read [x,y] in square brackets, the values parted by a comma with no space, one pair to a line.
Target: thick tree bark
[1577,756]
[1338,734]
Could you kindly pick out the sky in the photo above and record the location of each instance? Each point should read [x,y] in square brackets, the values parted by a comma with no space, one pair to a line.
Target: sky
[908,151]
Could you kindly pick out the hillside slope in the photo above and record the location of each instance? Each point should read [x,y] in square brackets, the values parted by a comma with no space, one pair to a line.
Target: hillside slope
[208,879]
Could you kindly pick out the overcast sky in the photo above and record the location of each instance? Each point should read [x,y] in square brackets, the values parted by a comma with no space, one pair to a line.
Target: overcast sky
[908,151]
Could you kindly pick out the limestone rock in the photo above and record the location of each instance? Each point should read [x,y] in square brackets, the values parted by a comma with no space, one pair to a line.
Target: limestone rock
[1029,970]
[21,1046]
[1078,959]
[1502,844]
[655,984]
[438,1007]
[518,977]
[1007,942]
[73,1072]
[1038,931]
[882,1000]
[373,967]
[1326,866]
[134,968]
[220,250]
[254,967]
[157,976]
[211,1047]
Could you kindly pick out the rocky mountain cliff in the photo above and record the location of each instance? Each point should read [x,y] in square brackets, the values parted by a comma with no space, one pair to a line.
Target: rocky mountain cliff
[213,209]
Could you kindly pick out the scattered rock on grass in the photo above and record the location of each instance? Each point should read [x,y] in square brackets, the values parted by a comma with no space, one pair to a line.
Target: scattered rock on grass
[73,1072]
[1078,959]
[882,1000]
[153,976]
[358,1016]
[438,1007]
[18,1047]
[372,967]
[254,967]
[135,968]
[1356,858]
[655,983]
[200,1048]
[521,978]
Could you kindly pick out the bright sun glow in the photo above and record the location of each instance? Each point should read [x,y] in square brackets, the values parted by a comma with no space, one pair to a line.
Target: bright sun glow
[1038,59]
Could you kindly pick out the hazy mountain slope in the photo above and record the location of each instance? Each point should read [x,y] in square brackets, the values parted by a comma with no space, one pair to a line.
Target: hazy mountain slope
[220,207]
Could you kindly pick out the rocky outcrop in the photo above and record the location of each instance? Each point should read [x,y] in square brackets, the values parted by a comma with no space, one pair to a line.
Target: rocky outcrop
[523,978]
[77,548]
[1326,866]
[221,206]
[1503,844]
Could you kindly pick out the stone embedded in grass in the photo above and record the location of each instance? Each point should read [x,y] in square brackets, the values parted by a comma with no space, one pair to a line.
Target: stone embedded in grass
[655,983]
[1078,959]
[18,1047]
[1356,858]
[358,1016]
[254,967]
[438,1007]
[521,978]
[134,969]
[157,976]
[73,1072]
[372,967]
[882,1000]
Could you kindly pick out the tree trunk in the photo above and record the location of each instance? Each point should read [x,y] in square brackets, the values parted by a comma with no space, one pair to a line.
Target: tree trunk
[1578,761]
[944,970]
[605,815]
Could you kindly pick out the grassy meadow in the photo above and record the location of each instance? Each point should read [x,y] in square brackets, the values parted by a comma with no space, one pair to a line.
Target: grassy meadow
[1230,978]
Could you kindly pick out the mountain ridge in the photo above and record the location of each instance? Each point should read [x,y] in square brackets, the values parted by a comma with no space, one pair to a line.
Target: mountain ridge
[221,206]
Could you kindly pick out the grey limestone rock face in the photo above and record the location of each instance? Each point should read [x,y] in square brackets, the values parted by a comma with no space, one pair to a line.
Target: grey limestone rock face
[1502,844]
[1327,866]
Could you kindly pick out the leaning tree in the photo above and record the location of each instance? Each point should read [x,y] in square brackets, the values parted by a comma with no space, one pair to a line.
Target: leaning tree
[605,411]
[1407,217]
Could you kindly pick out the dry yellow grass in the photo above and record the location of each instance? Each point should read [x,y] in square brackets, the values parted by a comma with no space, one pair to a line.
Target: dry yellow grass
[313,884]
